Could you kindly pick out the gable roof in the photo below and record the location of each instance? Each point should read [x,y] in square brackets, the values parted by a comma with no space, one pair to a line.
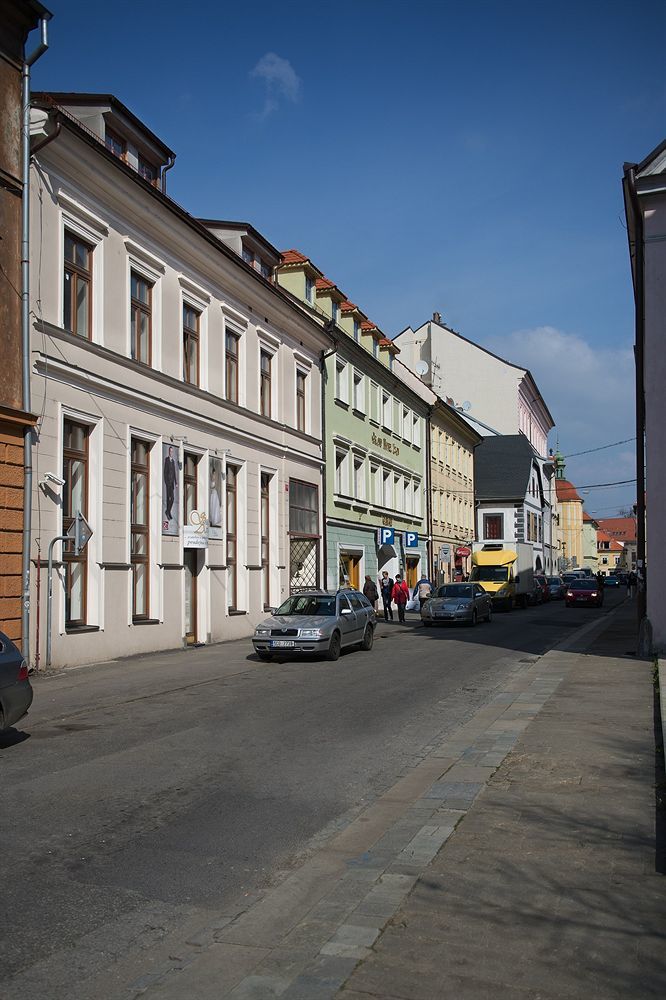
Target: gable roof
[566,491]
[502,467]
[613,544]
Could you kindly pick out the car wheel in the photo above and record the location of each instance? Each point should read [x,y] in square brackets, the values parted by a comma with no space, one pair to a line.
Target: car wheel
[474,617]
[335,646]
[368,638]
[266,657]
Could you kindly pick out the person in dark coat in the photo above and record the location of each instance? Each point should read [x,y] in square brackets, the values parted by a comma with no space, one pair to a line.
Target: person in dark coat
[386,587]
[370,591]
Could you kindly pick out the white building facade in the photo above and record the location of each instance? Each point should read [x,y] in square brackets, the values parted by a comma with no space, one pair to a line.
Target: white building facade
[179,395]
[499,396]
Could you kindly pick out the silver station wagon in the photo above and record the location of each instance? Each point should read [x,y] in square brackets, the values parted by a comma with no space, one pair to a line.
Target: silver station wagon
[317,622]
[457,602]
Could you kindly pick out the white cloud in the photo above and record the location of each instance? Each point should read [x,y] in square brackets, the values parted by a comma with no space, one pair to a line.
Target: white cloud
[590,393]
[281,82]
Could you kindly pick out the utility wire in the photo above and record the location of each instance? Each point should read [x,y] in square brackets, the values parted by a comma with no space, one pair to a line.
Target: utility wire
[603,447]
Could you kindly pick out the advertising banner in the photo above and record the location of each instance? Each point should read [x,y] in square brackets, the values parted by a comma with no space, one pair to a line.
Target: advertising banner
[170,490]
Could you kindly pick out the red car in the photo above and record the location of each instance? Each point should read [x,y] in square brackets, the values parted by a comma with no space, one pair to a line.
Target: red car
[545,586]
[584,592]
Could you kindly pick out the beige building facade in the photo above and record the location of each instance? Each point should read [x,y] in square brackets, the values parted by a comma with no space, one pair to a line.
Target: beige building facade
[179,398]
[452,443]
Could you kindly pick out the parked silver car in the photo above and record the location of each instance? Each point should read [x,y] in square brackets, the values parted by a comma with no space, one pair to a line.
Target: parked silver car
[317,622]
[457,602]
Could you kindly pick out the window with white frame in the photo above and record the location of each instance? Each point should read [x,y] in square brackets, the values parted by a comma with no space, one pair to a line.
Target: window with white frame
[387,489]
[359,477]
[386,410]
[374,402]
[376,484]
[341,381]
[357,330]
[417,498]
[406,425]
[82,274]
[375,348]
[309,289]
[396,416]
[359,391]
[301,400]
[399,492]
[416,431]
[341,461]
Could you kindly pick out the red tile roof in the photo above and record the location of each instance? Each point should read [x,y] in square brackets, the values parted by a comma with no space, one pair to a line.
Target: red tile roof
[294,257]
[614,546]
[566,490]
[587,519]
[324,283]
[348,307]
[385,342]
[623,528]
[367,325]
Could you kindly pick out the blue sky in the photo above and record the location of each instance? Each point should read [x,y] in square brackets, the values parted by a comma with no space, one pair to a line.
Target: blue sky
[464,158]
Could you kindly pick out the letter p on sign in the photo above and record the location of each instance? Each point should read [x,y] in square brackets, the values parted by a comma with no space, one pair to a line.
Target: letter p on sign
[411,540]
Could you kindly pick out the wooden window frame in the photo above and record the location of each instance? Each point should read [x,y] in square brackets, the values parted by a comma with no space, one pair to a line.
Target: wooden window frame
[140,308]
[486,519]
[142,559]
[77,274]
[301,411]
[231,365]
[68,557]
[265,384]
[265,529]
[231,492]
[191,483]
[191,334]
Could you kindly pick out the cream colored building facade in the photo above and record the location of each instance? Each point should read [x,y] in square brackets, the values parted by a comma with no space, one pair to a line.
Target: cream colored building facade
[452,443]
[179,394]
[570,511]
[590,554]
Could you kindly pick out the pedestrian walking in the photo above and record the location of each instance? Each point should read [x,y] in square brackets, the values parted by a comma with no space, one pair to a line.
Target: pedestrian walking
[631,584]
[400,597]
[386,588]
[370,591]
[422,591]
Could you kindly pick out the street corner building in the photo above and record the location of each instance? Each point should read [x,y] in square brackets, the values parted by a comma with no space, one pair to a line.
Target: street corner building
[179,398]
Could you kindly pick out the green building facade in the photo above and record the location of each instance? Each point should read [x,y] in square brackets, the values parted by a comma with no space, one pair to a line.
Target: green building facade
[375,432]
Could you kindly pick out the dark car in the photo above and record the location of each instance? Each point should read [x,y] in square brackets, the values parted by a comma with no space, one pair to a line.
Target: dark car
[611,580]
[545,587]
[584,591]
[457,602]
[557,587]
[15,688]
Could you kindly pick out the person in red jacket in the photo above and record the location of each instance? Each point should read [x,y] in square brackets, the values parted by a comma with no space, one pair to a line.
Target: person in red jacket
[400,596]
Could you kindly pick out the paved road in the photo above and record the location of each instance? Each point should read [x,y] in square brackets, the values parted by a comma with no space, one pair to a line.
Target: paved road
[141,792]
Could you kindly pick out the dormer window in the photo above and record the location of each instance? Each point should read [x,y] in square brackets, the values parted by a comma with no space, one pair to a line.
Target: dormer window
[357,330]
[115,144]
[309,289]
[248,256]
[147,170]
[335,310]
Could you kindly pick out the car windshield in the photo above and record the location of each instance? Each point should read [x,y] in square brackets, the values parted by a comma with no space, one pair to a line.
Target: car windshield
[493,574]
[308,604]
[554,580]
[454,590]
[583,585]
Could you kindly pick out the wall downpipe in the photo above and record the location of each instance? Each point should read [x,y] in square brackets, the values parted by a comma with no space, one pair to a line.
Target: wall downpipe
[28,61]
[639,357]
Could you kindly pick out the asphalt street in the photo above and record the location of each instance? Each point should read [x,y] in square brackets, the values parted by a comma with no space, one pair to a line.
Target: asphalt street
[142,793]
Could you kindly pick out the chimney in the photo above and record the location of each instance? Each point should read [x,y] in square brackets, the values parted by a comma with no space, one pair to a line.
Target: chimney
[437,317]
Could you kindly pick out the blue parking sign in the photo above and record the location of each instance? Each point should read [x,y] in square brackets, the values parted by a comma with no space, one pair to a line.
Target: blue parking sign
[386,536]
[411,540]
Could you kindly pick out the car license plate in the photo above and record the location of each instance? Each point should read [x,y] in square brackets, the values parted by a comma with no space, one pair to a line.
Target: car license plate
[282,643]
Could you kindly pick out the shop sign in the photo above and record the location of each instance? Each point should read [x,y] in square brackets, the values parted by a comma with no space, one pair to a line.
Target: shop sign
[385,444]
[463,551]
[385,536]
[195,532]
[411,540]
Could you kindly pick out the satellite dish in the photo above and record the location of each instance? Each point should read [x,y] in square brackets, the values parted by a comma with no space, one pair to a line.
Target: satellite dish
[422,368]
[467,406]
